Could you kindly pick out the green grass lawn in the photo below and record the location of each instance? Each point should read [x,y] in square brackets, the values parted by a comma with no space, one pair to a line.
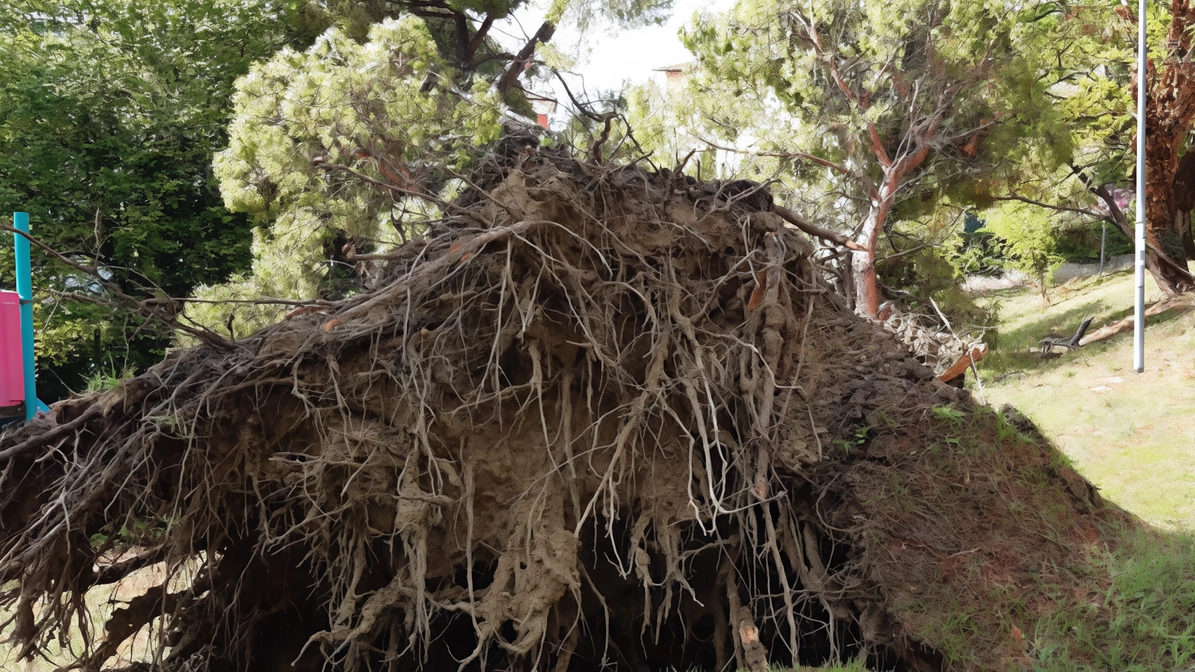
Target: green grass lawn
[1131,434]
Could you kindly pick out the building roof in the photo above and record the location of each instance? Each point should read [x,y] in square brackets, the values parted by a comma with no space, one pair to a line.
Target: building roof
[679,67]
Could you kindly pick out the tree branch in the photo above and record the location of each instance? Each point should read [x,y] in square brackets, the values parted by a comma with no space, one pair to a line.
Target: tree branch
[1048,206]
[815,230]
[460,26]
[812,158]
[143,308]
[479,36]
[445,205]
[516,67]
[116,571]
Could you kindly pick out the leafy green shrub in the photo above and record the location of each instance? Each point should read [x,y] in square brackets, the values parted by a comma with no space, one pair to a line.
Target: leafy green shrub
[977,253]
[1081,242]
[1029,238]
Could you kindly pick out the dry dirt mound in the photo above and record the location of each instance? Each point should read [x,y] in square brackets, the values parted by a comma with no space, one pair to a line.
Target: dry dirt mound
[599,417]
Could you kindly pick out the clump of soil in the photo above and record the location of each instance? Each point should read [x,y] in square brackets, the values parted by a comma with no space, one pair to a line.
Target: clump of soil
[598,417]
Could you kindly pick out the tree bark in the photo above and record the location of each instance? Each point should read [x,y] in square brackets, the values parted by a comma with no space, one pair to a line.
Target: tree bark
[883,198]
[867,291]
[542,36]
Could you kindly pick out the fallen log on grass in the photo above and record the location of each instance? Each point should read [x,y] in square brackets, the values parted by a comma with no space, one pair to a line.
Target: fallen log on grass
[1179,303]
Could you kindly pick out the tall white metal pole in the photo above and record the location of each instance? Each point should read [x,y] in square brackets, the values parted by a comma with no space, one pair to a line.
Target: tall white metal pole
[1139,312]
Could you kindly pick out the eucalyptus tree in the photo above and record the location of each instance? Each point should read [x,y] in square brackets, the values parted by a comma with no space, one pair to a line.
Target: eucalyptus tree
[899,101]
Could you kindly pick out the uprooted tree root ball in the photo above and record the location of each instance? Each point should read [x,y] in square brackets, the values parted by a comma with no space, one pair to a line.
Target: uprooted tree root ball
[598,417]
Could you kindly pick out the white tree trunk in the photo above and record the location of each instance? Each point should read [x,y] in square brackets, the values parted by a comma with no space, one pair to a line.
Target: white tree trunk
[867,290]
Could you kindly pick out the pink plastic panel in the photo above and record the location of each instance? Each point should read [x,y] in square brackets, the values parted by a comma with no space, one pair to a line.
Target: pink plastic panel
[12,380]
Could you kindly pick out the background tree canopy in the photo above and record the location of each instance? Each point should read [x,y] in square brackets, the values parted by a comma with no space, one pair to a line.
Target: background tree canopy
[327,148]
[113,111]
[239,150]
[110,114]
[895,105]
[884,119]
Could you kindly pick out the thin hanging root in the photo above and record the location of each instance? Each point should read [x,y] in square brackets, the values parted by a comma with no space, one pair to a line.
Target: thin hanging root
[773,547]
[567,647]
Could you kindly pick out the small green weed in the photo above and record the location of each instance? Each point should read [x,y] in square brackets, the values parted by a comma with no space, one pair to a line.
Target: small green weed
[857,439]
[1004,429]
[106,379]
[954,415]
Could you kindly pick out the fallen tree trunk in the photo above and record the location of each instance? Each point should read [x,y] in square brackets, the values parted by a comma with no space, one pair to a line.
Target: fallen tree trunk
[598,418]
[1179,303]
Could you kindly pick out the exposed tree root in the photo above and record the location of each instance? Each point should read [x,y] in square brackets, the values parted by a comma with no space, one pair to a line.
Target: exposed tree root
[595,419]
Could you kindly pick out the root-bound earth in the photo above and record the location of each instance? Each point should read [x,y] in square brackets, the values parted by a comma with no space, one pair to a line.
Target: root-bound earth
[597,417]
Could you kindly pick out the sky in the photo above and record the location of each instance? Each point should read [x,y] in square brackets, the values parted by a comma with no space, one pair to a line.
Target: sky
[605,61]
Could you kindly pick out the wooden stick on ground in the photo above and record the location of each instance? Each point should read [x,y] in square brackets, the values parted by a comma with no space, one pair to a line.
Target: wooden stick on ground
[961,365]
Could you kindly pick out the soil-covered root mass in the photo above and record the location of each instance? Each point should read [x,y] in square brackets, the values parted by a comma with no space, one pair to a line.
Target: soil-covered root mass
[598,417]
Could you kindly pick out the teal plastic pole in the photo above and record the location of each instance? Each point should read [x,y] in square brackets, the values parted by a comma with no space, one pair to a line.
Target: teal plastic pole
[20,222]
